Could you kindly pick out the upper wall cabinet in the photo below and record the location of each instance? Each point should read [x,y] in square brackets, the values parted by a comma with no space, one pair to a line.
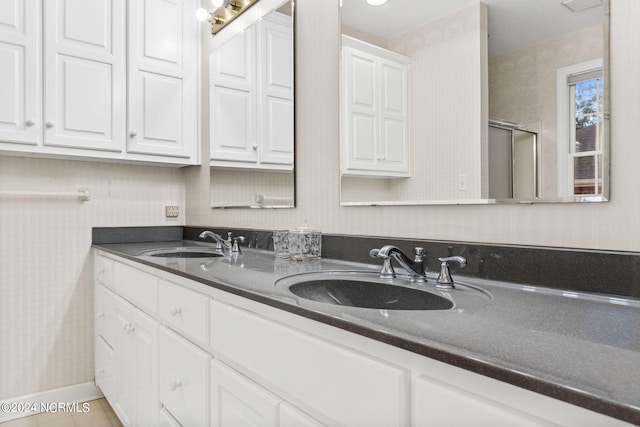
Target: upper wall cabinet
[251,95]
[163,78]
[20,72]
[67,78]
[375,121]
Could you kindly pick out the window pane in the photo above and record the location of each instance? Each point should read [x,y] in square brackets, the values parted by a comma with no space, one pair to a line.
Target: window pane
[586,137]
[587,172]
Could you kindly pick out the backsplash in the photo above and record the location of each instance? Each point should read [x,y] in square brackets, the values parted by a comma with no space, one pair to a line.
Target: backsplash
[616,273]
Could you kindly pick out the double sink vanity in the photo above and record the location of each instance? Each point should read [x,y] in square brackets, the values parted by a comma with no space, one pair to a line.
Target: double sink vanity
[189,335]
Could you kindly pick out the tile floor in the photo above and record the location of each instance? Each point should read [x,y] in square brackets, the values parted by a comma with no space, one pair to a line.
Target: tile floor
[99,414]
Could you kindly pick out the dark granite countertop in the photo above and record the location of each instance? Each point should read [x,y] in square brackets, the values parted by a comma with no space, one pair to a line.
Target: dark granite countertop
[582,348]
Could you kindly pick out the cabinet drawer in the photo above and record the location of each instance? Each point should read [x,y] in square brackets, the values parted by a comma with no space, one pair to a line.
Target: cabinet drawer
[184,310]
[137,286]
[104,271]
[184,379]
[106,321]
[349,387]
[105,369]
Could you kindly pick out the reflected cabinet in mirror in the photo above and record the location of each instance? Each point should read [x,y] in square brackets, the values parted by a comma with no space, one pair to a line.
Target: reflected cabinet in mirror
[251,109]
[469,102]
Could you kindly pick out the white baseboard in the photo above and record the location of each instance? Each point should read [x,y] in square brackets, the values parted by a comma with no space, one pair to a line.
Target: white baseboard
[24,406]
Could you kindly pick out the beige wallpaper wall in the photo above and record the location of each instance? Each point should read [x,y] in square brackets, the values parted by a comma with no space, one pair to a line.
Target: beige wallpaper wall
[611,225]
[46,287]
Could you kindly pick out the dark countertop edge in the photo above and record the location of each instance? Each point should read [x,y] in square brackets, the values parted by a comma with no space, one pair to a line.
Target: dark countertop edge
[553,390]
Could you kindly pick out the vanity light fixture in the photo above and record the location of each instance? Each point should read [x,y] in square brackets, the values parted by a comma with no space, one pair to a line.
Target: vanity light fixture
[224,12]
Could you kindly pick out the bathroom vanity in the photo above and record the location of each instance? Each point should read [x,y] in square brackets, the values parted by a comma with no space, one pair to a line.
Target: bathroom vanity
[222,340]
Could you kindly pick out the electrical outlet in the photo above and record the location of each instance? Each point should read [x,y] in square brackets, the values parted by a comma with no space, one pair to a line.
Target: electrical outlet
[462,182]
[171,211]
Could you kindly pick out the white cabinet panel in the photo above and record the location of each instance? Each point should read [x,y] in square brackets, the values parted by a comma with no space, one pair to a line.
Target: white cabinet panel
[293,417]
[136,400]
[20,73]
[137,286]
[374,107]
[183,379]
[251,97]
[106,321]
[184,310]
[162,97]
[238,402]
[104,271]
[277,128]
[146,372]
[337,381]
[84,74]
[105,369]
[231,136]
[438,403]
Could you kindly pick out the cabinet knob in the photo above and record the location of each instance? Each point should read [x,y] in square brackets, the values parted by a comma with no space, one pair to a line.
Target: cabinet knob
[175,385]
[30,122]
[50,123]
[101,314]
[174,311]
[255,147]
[133,134]
[99,371]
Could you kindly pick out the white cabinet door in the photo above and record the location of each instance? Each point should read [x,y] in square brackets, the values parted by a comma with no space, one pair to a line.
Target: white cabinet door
[276,90]
[106,375]
[440,404]
[293,417]
[146,368]
[233,110]
[125,363]
[136,400]
[105,320]
[20,72]
[163,40]
[361,116]
[351,388]
[84,73]
[251,97]
[238,402]
[394,118]
[183,379]
[375,111]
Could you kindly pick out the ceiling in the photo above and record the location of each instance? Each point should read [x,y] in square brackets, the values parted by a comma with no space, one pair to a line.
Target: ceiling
[513,24]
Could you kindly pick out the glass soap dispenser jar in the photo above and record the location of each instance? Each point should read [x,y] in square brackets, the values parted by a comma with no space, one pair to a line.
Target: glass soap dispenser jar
[304,243]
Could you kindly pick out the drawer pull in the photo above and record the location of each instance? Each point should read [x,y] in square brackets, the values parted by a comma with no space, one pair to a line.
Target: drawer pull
[175,385]
[174,311]
[101,314]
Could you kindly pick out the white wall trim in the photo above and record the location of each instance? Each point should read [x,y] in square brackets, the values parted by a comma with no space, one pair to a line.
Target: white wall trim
[77,393]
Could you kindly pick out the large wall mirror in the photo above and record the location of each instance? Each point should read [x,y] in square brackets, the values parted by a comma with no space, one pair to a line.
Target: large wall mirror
[469,102]
[251,109]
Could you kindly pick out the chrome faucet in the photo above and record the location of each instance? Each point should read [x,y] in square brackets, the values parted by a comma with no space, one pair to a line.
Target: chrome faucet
[415,267]
[227,246]
[444,279]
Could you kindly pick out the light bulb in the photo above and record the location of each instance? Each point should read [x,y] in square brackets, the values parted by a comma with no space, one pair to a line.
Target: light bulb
[218,3]
[202,14]
[376,2]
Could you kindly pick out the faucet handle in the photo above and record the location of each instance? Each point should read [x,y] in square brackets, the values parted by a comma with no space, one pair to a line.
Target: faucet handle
[444,279]
[236,247]
[387,271]
[419,254]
